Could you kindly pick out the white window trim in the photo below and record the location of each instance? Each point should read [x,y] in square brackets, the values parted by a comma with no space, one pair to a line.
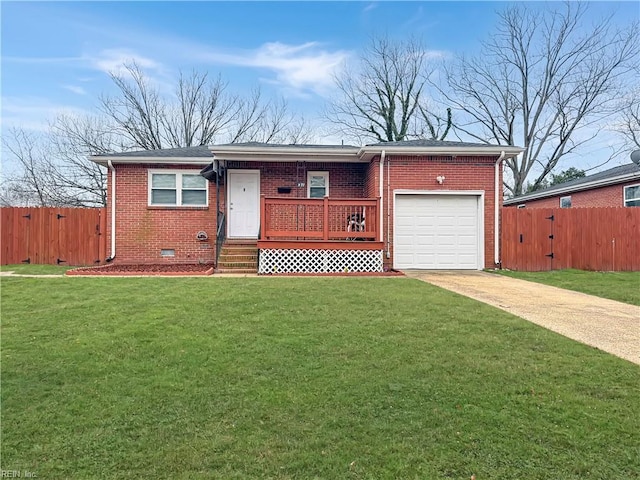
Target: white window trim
[178,174]
[318,174]
[624,194]
[562,198]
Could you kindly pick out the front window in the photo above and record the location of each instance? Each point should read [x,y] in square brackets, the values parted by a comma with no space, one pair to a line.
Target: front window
[565,202]
[317,184]
[177,188]
[632,196]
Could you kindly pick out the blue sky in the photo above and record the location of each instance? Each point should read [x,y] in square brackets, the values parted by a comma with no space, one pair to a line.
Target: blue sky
[56,55]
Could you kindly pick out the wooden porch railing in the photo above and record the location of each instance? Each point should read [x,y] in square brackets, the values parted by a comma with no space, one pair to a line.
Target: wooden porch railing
[326,219]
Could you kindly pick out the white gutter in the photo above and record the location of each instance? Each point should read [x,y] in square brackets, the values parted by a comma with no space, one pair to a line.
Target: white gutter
[368,152]
[287,153]
[158,160]
[381,189]
[496,217]
[285,150]
[113,212]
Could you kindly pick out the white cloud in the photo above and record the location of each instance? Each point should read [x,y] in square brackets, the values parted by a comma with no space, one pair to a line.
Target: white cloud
[33,113]
[114,60]
[42,60]
[303,68]
[75,89]
[369,7]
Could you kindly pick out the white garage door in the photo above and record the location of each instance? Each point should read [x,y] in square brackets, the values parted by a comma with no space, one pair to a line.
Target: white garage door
[437,232]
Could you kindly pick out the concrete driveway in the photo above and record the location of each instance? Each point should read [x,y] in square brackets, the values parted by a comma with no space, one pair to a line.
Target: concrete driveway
[605,324]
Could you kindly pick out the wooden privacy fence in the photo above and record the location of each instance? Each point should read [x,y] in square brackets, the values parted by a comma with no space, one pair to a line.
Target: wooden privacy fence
[599,239]
[67,236]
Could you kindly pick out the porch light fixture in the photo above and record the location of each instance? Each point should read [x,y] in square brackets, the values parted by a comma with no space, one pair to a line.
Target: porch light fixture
[440,179]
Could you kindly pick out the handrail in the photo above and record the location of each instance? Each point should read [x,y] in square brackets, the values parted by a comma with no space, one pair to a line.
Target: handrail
[319,218]
[220,234]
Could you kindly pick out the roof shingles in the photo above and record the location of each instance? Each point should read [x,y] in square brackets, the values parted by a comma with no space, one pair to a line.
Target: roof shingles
[577,183]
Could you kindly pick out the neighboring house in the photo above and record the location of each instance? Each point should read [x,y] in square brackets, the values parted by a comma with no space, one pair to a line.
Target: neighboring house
[310,208]
[616,187]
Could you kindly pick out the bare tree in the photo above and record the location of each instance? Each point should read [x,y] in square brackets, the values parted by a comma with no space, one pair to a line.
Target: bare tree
[384,98]
[55,170]
[542,81]
[629,125]
[30,186]
[268,122]
[73,139]
[50,173]
[201,110]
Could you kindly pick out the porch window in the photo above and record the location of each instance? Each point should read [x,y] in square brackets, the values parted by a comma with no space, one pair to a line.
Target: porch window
[177,188]
[317,184]
[632,196]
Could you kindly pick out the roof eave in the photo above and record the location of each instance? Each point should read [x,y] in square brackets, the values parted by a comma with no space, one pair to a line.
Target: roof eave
[104,160]
[285,154]
[574,188]
[371,151]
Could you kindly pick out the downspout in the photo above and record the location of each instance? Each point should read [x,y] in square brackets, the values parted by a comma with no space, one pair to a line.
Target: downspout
[113,212]
[496,217]
[381,189]
[217,193]
[388,207]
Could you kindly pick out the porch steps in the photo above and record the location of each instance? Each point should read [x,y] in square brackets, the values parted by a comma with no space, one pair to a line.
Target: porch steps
[238,256]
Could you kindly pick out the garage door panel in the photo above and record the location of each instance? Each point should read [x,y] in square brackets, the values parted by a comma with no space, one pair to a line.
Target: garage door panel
[467,244]
[447,221]
[446,239]
[425,240]
[467,260]
[437,232]
[425,258]
[405,221]
[467,222]
[425,231]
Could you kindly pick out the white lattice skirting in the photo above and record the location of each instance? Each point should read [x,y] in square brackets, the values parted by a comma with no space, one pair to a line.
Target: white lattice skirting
[319,261]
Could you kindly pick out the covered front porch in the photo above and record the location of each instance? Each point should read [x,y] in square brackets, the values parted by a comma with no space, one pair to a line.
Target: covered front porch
[320,235]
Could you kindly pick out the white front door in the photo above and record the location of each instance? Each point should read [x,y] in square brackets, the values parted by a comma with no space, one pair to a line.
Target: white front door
[244,203]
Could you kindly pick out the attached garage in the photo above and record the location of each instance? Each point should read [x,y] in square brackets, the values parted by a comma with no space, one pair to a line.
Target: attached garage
[443,230]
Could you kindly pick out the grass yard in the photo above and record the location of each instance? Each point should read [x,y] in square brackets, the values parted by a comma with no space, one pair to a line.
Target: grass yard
[35,269]
[620,286]
[283,378]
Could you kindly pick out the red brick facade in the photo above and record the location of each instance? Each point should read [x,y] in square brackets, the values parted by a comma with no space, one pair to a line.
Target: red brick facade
[143,231]
[609,196]
[461,174]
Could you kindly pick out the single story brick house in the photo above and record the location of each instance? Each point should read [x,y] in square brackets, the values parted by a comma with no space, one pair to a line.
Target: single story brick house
[308,208]
[615,187]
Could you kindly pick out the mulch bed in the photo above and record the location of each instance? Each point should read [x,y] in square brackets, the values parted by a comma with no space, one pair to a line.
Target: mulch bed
[200,270]
[144,269]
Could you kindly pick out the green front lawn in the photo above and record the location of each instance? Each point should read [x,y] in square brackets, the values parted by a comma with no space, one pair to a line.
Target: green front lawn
[283,378]
[25,269]
[620,286]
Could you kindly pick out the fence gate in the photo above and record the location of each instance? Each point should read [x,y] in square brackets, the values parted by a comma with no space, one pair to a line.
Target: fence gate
[62,236]
[527,239]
